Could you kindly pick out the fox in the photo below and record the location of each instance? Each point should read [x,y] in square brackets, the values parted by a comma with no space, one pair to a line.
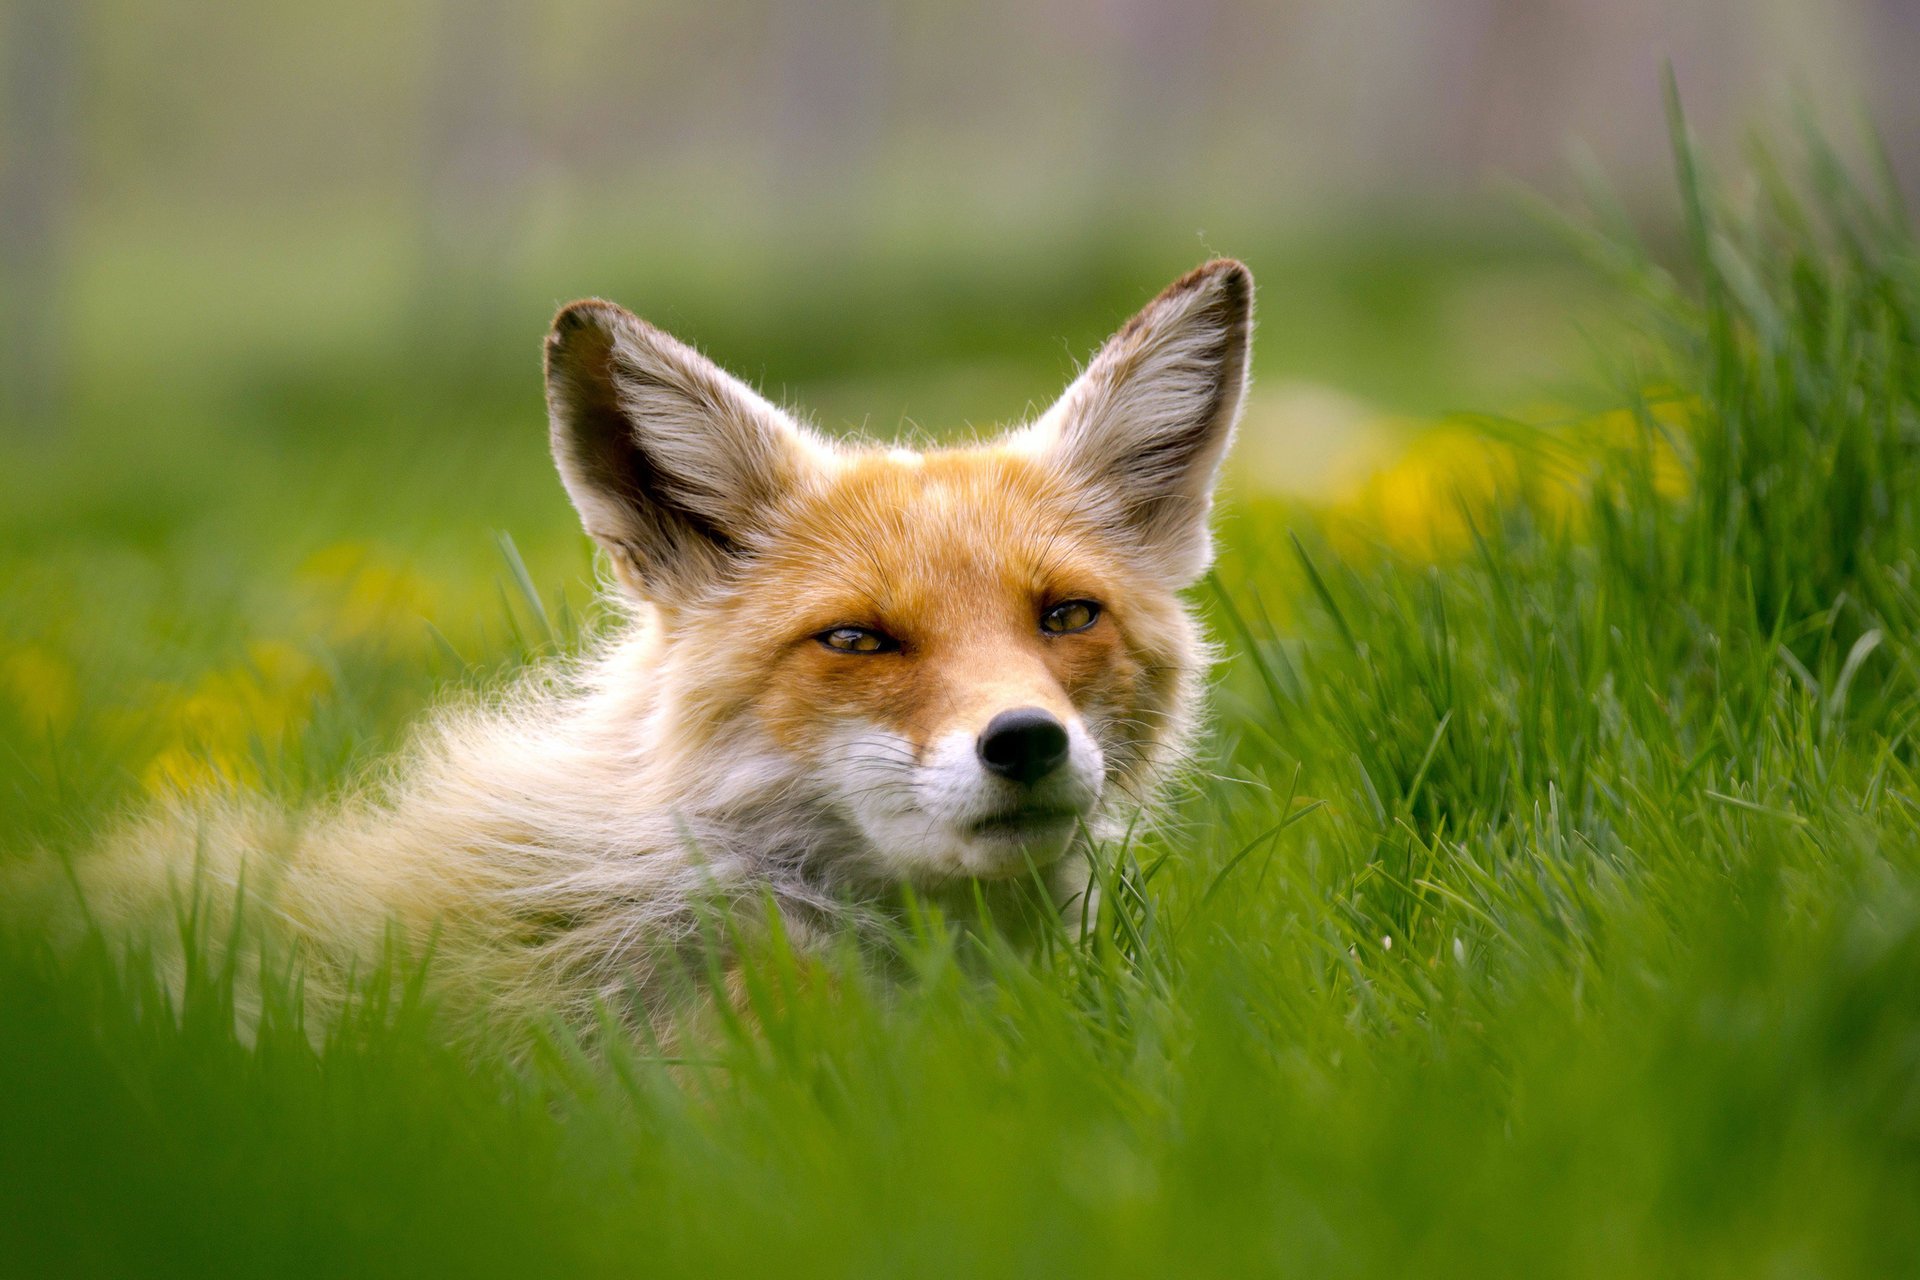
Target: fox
[842,675]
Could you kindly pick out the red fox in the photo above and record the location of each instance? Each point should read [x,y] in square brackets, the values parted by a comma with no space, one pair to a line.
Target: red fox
[842,670]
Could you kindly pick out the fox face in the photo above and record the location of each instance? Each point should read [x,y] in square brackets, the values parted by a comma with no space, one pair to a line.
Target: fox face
[962,657]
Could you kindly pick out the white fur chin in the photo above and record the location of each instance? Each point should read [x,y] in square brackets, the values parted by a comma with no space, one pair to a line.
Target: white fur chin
[936,817]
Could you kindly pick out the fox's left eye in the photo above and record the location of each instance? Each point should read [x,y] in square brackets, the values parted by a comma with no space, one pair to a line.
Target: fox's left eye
[1069,616]
[857,640]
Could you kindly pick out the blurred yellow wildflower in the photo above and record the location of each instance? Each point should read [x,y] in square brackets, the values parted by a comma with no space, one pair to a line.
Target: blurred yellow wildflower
[1427,498]
[1422,501]
[1665,420]
[350,593]
[40,685]
[209,730]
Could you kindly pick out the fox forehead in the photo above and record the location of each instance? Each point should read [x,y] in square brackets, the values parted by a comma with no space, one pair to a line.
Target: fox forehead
[905,539]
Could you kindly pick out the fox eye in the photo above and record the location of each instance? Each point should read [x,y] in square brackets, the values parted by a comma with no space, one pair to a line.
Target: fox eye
[1069,616]
[857,640]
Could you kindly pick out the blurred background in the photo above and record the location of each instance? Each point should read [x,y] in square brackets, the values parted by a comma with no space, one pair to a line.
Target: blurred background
[273,277]
[204,197]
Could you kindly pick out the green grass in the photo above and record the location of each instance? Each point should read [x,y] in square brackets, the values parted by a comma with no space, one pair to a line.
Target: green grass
[1552,907]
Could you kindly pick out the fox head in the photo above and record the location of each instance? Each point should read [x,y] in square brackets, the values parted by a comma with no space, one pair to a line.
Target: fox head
[960,656]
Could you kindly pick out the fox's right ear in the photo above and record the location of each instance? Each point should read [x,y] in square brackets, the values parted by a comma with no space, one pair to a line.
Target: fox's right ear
[674,465]
[1141,433]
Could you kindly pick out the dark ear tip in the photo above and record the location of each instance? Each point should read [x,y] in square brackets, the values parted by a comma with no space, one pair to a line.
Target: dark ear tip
[1228,276]
[1225,268]
[1222,286]
[588,314]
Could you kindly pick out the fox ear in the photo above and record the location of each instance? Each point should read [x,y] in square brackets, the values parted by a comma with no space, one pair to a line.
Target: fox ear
[674,465]
[1142,431]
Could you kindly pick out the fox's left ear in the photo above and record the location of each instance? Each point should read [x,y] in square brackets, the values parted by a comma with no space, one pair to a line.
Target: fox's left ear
[1143,430]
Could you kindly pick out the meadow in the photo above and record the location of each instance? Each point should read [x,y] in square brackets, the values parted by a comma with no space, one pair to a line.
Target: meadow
[1546,901]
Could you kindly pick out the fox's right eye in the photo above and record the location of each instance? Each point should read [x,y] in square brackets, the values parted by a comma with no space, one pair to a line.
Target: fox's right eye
[857,640]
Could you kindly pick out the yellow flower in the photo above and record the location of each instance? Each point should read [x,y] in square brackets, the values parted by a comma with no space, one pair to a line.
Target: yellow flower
[1665,420]
[1422,501]
[41,685]
[180,768]
[350,593]
[285,674]
[210,729]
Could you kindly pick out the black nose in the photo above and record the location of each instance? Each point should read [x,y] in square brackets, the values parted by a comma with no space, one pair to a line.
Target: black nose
[1025,744]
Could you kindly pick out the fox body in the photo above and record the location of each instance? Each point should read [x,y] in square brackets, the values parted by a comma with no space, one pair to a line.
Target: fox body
[842,670]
